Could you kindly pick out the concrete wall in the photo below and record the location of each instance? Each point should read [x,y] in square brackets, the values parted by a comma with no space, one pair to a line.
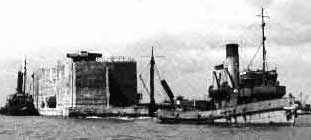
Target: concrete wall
[123,83]
[54,80]
[90,84]
[84,84]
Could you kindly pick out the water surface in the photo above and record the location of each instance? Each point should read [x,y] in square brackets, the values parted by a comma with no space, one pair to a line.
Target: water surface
[39,127]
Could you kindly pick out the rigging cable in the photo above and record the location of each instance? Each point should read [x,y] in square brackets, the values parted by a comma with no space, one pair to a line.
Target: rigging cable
[159,78]
[251,62]
[142,80]
[144,68]
[157,71]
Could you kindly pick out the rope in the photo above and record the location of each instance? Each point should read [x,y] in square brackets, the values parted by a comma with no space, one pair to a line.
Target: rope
[144,68]
[254,55]
[157,71]
[144,84]
[162,91]
[159,80]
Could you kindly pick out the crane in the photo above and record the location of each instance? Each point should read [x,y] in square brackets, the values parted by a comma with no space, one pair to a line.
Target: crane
[168,91]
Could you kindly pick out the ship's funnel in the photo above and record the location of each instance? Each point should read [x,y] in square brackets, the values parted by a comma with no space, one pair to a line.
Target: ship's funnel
[19,82]
[232,58]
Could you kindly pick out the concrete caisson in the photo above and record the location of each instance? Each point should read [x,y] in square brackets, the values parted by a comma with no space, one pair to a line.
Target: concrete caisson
[82,83]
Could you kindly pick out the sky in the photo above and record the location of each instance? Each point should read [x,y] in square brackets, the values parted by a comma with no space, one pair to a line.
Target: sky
[190,34]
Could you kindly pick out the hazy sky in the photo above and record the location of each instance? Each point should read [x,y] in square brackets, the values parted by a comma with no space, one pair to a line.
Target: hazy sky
[190,33]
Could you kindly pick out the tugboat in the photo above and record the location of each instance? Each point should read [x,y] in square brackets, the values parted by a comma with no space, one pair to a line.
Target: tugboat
[250,97]
[20,103]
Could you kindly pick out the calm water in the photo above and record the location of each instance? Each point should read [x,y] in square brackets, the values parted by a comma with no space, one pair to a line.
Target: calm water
[37,127]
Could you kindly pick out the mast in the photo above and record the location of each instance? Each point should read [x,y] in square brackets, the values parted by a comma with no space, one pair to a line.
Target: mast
[263,24]
[25,76]
[152,100]
[107,87]
[33,84]
[37,93]
[72,82]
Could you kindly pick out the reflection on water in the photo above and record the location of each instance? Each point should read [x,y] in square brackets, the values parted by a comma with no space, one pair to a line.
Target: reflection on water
[38,127]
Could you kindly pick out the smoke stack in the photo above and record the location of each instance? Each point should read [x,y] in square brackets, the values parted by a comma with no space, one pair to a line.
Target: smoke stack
[19,82]
[232,58]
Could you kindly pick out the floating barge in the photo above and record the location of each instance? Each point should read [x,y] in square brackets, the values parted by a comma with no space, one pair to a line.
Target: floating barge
[89,85]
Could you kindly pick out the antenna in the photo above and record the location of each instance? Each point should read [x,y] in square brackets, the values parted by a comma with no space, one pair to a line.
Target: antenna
[263,24]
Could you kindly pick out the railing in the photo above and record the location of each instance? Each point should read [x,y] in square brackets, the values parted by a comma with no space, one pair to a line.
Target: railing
[116,59]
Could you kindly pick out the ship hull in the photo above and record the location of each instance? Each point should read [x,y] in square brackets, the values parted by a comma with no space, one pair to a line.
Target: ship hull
[259,113]
[19,104]
[20,110]
[192,120]
[99,112]
[278,117]
[54,112]
[265,118]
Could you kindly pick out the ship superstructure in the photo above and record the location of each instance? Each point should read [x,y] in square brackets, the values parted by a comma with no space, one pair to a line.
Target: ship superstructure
[242,88]
[249,86]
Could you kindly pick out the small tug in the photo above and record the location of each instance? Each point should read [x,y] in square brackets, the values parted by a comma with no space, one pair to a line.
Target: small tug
[20,103]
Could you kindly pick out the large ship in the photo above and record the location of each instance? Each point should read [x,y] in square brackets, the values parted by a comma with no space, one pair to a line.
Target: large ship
[20,103]
[250,97]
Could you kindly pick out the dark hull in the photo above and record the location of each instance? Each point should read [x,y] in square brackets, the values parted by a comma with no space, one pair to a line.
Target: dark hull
[174,120]
[22,110]
[19,110]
